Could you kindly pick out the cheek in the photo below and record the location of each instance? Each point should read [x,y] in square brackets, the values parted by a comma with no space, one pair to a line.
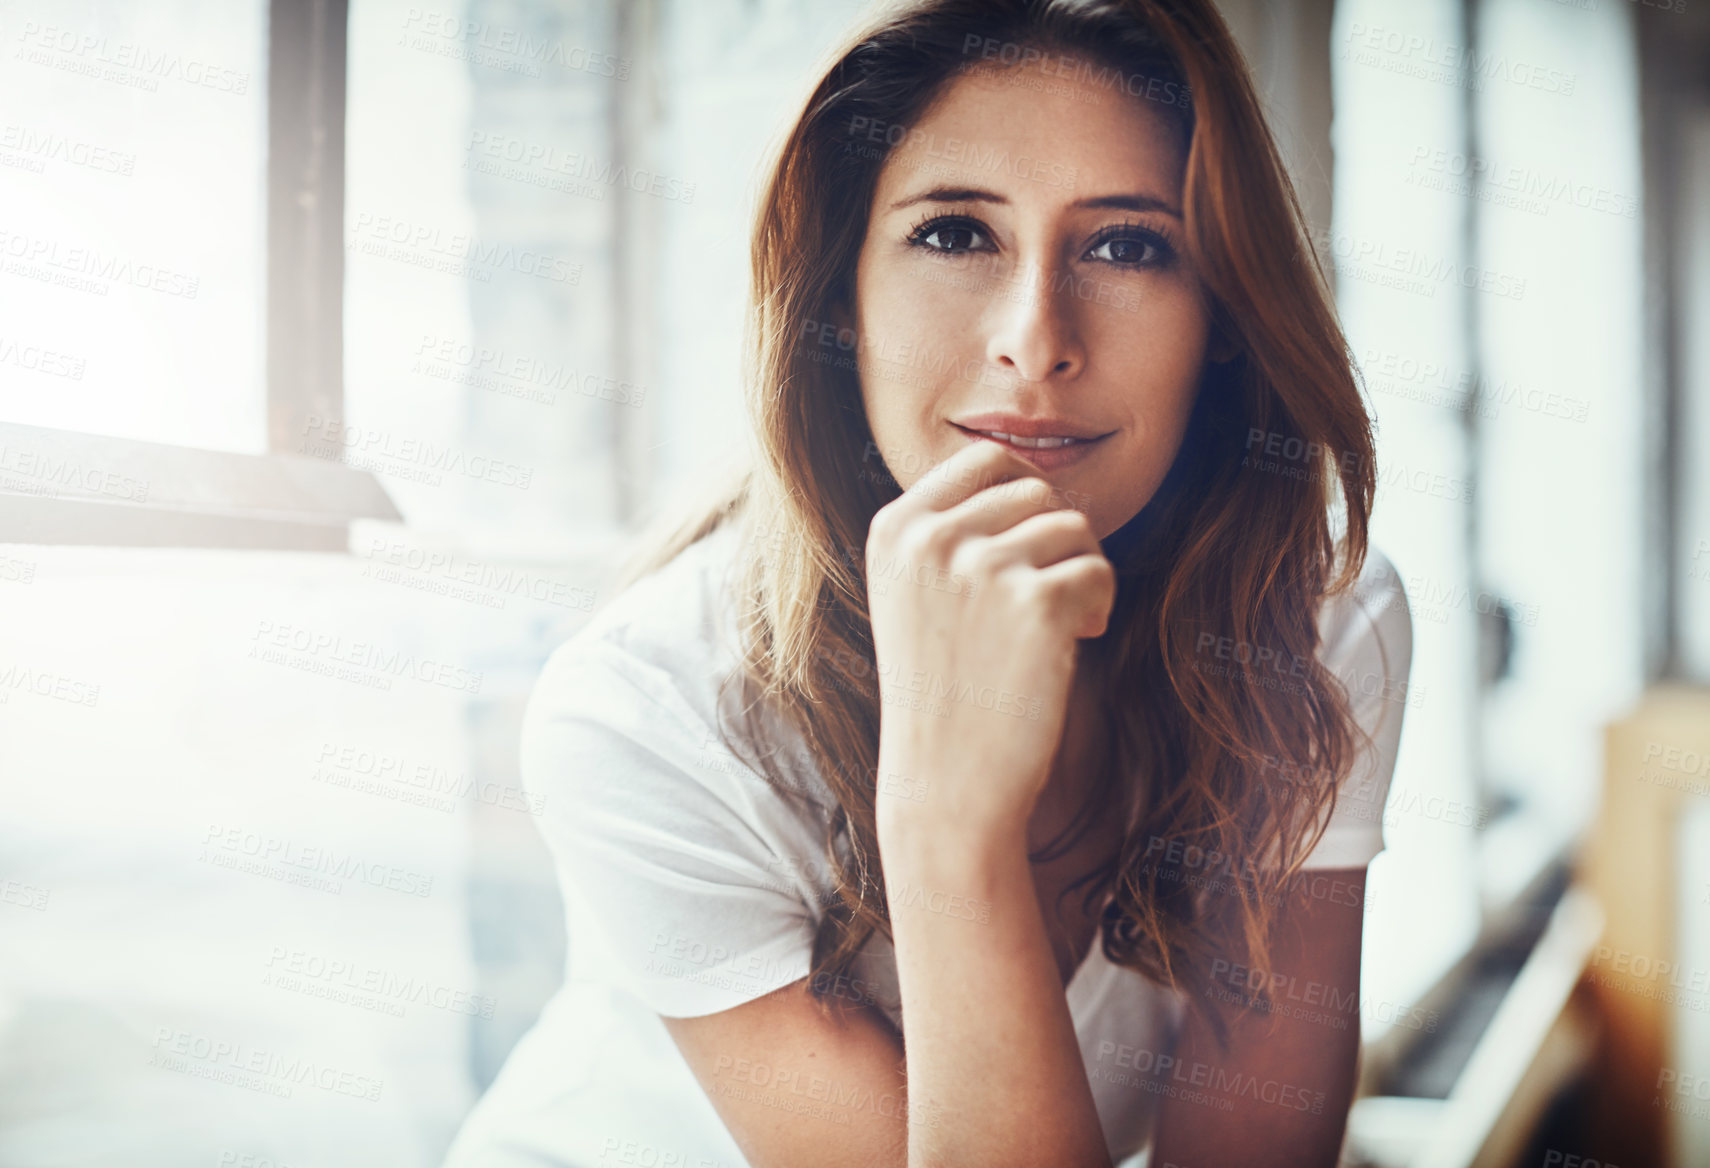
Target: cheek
[1158,354]
[917,309]
[1155,359]
[905,363]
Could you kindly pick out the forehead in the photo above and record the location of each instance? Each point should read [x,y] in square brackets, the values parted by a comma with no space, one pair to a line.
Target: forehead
[1036,138]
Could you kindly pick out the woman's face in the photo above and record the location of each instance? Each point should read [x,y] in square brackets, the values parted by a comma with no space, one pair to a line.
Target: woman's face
[1022,274]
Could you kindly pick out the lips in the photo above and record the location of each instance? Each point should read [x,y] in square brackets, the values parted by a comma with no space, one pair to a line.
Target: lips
[1028,431]
[1046,450]
[1029,443]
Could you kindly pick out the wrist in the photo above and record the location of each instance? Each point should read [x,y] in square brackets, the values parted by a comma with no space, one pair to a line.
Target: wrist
[915,836]
[939,800]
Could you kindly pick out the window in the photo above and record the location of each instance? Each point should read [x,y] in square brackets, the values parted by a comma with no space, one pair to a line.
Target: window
[1486,246]
[132,170]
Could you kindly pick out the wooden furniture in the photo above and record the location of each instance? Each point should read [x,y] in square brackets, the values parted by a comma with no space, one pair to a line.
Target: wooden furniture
[1657,765]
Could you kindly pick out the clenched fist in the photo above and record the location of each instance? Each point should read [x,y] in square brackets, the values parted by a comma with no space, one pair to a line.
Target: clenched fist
[979,587]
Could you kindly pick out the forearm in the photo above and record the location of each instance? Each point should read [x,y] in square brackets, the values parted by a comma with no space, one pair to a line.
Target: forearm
[994,1069]
[1278,1097]
[1279,1117]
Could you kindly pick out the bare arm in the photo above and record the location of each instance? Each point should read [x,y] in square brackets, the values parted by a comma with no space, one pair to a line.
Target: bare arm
[1288,1089]
[993,1070]
[795,1087]
[993,1061]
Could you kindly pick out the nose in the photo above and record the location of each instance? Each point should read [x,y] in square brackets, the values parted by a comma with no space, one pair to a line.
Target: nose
[1035,332]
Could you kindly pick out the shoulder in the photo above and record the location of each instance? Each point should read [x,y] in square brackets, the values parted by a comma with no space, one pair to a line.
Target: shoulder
[1366,632]
[658,651]
[1367,643]
[638,684]
[636,707]
[676,618]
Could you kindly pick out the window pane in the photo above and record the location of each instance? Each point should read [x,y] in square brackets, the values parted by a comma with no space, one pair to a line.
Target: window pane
[1561,401]
[1694,489]
[486,377]
[132,174]
[1394,245]
[732,74]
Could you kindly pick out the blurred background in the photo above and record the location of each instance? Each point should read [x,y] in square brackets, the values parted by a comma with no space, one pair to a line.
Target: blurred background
[344,345]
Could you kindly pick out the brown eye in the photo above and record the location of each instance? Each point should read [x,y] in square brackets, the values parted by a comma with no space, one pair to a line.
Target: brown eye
[1132,247]
[1129,251]
[947,236]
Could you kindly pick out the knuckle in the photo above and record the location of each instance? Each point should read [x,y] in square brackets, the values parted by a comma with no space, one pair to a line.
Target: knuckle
[1036,489]
[1073,519]
[976,558]
[1087,574]
[883,524]
[1098,567]
[1030,488]
[1055,587]
[1033,589]
[929,539]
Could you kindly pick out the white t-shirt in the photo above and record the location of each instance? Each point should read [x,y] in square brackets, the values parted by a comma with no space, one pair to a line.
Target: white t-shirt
[692,886]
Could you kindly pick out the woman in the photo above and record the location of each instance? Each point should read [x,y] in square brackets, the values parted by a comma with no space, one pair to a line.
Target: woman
[988,776]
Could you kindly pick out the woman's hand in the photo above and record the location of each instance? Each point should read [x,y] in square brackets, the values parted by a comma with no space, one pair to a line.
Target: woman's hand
[979,585]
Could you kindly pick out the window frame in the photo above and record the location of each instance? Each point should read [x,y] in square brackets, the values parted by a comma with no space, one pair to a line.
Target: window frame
[78,488]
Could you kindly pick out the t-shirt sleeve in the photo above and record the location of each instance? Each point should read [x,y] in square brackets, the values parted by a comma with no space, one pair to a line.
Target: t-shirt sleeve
[1368,646]
[680,865]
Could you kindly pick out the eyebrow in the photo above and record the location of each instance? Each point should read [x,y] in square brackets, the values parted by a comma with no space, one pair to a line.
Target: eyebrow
[980,195]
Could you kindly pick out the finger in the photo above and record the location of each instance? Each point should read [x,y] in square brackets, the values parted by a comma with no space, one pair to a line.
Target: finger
[1045,539]
[1000,507]
[1081,591]
[970,470]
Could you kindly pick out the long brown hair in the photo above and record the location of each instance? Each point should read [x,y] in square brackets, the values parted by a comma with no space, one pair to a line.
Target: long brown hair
[1227,553]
